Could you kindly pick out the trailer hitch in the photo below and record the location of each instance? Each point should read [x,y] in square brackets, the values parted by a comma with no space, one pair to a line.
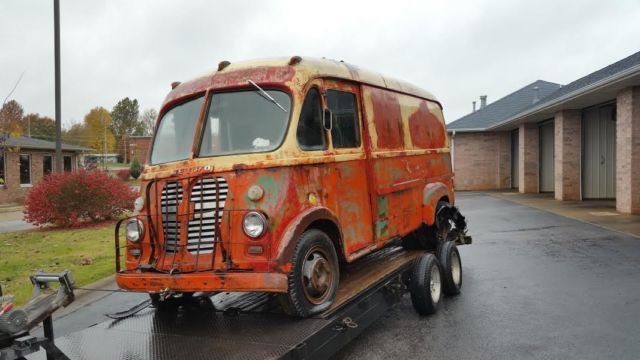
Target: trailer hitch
[15,340]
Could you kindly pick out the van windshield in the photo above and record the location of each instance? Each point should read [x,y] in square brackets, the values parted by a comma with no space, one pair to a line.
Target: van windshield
[245,122]
[175,133]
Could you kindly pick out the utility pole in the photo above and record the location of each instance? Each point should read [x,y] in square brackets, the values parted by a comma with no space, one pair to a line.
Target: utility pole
[56,46]
[125,147]
[104,154]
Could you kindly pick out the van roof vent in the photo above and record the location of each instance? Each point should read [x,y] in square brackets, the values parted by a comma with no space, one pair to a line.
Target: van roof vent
[175,84]
[223,64]
[295,60]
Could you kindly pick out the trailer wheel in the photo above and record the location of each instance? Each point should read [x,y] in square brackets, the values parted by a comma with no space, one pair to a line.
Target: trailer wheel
[313,280]
[426,285]
[451,265]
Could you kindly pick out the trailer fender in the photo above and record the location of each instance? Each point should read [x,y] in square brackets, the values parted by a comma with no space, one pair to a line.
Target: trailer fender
[298,225]
[431,194]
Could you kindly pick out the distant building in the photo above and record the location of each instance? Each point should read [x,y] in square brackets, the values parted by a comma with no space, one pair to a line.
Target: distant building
[135,147]
[578,141]
[25,161]
[95,158]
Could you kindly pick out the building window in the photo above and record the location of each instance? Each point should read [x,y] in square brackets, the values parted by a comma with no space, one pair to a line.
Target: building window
[25,169]
[47,164]
[310,132]
[2,178]
[345,131]
[67,163]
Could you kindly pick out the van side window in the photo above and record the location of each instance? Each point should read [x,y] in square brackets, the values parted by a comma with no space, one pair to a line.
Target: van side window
[310,132]
[345,131]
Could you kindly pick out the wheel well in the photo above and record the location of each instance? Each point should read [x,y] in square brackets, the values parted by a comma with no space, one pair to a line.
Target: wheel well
[332,230]
[445,198]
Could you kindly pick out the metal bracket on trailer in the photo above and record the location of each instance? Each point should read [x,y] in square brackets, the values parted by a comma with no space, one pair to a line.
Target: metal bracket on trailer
[15,340]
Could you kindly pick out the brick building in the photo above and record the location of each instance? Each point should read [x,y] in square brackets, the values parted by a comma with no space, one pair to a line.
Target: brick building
[135,147]
[578,141]
[25,161]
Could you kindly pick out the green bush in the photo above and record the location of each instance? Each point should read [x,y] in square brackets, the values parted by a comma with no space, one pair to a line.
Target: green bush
[136,168]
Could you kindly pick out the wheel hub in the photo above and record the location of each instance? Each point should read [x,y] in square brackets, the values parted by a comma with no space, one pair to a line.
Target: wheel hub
[316,276]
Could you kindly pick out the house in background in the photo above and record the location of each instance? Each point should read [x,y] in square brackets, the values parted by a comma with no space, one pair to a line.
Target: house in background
[135,147]
[578,141]
[25,161]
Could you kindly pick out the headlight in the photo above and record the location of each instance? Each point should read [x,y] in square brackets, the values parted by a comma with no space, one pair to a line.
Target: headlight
[135,230]
[254,224]
[138,204]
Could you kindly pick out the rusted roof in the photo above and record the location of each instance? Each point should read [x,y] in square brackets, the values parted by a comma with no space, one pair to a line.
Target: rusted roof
[279,70]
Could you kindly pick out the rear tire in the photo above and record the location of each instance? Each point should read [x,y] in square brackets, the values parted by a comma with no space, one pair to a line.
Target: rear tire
[451,265]
[425,285]
[314,277]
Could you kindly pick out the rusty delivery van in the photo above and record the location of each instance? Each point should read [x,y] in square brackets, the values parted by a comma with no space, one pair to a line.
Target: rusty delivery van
[268,175]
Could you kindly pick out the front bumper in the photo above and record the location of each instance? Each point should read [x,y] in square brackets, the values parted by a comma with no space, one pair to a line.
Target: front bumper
[203,281]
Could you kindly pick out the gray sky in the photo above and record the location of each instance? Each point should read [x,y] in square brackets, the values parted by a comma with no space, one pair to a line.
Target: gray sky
[458,50]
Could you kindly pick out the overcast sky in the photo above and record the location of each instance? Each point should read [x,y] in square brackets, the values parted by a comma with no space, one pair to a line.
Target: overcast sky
[457,50]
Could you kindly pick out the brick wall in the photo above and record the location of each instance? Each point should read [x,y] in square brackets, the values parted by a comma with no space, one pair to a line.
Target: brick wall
[139,148]
[13,191]
[482,160]
[628,151]
[528,154]
[567,153]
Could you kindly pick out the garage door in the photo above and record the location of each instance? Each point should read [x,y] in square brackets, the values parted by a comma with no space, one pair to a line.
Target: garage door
[514,159]
[546,157]
[599,153]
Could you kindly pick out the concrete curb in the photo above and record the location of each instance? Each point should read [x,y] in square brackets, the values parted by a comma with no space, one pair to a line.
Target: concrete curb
[6,209]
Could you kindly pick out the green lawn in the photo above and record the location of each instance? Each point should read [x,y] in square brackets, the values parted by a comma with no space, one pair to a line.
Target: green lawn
[87,252]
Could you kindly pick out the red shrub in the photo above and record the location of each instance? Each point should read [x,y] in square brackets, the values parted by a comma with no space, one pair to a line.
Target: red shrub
[68,199]
[123,174]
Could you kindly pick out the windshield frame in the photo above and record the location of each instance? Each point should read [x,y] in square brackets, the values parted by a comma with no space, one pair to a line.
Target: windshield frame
[203,123]
[170,106]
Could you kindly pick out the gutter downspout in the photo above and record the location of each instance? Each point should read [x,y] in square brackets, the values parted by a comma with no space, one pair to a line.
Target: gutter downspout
[453,152]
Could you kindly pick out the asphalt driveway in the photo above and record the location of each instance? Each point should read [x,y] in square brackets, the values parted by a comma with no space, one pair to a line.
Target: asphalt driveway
[535,285]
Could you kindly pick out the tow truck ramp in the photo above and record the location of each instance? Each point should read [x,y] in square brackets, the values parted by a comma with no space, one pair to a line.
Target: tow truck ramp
[248,325]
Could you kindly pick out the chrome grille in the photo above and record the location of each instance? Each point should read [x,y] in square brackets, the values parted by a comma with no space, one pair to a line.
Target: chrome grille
[169,200]
[208,197]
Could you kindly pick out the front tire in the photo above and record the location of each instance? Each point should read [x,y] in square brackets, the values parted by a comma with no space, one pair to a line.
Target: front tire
[314,277]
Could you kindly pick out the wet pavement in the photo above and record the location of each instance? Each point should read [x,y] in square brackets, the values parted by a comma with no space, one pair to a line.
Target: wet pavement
[535,285]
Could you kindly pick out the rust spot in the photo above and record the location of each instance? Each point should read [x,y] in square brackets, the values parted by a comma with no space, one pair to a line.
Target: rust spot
[388,119]
[425,128]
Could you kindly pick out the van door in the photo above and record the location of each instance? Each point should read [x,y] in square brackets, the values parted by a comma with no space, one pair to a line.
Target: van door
[350,167]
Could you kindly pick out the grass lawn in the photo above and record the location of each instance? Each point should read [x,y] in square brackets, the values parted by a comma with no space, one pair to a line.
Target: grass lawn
[87,252]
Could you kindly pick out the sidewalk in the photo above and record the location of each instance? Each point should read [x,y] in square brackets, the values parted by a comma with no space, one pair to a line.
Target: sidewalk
[12,220]
[597,212]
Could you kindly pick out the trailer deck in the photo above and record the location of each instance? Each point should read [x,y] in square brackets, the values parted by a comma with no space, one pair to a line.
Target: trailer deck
[249,325]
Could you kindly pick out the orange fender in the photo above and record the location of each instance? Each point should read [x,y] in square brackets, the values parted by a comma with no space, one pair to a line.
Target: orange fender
[294,230]
[431,194]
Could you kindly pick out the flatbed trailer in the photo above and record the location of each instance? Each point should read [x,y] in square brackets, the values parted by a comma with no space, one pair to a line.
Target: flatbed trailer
[249,325]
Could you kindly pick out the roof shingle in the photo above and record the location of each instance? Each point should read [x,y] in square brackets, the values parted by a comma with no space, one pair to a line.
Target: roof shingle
[503,108]
[31,143]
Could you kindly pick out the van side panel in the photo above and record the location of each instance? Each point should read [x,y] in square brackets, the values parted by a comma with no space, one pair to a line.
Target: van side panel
[399,175]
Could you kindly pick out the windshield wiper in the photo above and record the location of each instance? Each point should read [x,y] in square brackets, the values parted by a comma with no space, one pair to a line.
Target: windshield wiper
[266,95]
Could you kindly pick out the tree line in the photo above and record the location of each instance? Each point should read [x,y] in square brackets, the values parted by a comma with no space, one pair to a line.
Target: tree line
[100,126]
